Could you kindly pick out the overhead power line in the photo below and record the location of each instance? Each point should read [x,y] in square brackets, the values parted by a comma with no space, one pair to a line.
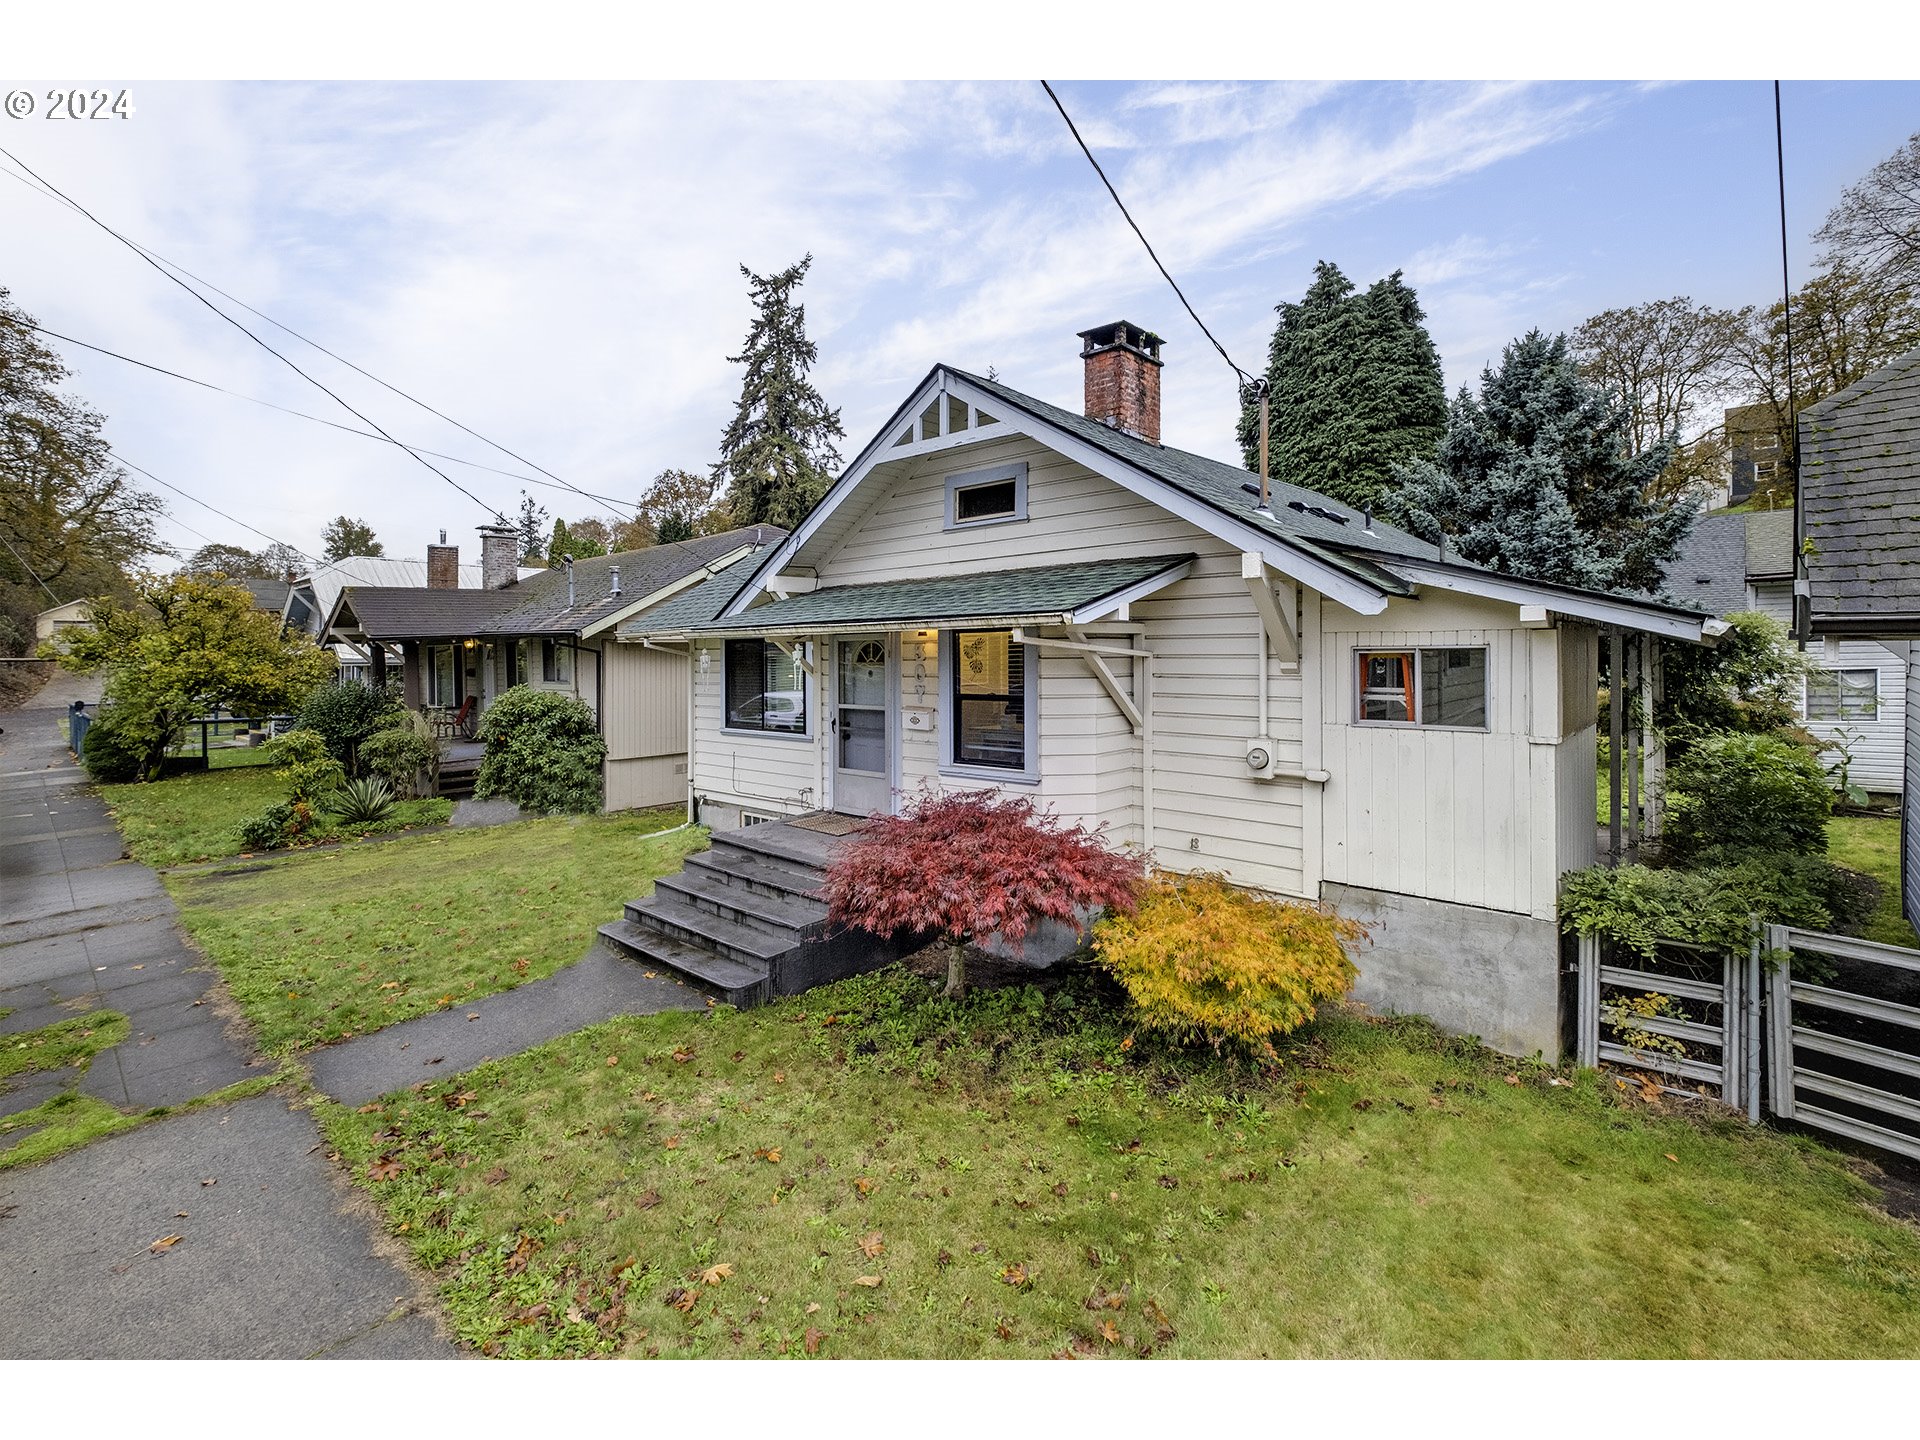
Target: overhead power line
[156,256]
[290,364]
[1245,378]
[232,519]
[29,569]
[322,420]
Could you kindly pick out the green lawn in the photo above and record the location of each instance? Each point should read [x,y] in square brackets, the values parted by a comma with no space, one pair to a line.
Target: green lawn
[195,816]
[868,1170]
[1871,843]
[333,942]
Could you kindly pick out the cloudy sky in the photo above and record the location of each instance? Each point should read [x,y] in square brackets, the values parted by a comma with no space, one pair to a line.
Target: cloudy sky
[556,265]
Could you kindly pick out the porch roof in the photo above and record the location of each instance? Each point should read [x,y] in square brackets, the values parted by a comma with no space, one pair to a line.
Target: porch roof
[1044,595]
[377,612]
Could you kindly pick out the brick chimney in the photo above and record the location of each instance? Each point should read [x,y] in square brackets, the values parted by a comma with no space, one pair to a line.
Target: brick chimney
[1123,378]
[443,565]
[499,556]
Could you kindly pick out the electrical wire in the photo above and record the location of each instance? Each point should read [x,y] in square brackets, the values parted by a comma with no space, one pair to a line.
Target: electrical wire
[231,519]
[1245,378]
[1802,604]
[154,255]
[322,420]
[29,569]
[290,364]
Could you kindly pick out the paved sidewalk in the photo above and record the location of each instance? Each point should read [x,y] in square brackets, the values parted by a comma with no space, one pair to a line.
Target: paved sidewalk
[593,989]
[275,1258]
[84,929]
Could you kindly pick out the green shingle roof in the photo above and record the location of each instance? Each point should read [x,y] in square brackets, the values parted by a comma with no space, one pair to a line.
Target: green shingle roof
[1003,595]
[696,605]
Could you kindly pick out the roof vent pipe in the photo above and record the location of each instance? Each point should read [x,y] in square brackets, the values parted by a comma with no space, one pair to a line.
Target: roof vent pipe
[443,537]
[614,571]
[567,564]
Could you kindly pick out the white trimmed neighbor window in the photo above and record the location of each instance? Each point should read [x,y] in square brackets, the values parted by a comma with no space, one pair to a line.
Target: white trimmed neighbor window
[1843,696]
[1434,686]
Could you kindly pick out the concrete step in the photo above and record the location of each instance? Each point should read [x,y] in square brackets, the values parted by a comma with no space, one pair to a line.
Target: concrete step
[742,943]
[764,874]
[787,917]
[732,981]
[806,848]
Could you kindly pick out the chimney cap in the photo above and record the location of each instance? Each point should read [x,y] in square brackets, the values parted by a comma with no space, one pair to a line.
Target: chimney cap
[1122,335]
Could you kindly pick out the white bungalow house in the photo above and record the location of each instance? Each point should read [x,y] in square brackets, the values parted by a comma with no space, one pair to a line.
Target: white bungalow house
[1000,592]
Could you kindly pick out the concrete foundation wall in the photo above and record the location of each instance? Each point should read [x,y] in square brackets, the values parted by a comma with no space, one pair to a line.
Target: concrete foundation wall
[1474,972]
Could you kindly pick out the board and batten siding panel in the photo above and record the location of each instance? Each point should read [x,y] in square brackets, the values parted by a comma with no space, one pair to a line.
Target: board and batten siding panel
[1879,746]
[645,692]
[764,773]
[1466,816]
[1910,801]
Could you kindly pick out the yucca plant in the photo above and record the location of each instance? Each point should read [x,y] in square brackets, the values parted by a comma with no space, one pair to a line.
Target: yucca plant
[365,801]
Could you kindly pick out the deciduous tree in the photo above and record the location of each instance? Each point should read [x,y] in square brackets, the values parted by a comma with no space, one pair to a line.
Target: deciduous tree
[236,562]
[188,643]
[1876,225]
[1668,363]
[1354,387]
[1536,477]
[971,865]
[778,453]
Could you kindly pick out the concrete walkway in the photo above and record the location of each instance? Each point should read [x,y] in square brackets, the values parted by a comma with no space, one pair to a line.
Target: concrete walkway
[278,1257]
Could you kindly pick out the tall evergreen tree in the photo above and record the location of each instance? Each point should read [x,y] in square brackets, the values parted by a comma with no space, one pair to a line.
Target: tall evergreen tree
[346,536]
[531,522]
[1537,476]
[777,455]
[1354,388]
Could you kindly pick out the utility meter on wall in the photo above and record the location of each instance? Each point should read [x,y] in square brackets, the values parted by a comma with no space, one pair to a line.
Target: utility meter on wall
[1261,758]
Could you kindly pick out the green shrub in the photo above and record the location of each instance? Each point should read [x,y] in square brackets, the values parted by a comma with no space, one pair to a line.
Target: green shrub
[310,772]
[365,801]
[268,830]
[344,713]
[1203,960]
[543,753]
[404,753]
[1750,792]
[1746,681]
[108,755]
[1638,907]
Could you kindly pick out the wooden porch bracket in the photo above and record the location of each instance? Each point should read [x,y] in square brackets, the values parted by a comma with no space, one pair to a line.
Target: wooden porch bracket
[1274,623]
[1108,680]
[796,651]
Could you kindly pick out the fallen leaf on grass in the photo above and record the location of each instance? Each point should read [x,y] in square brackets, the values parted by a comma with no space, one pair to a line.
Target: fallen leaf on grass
[872,1245]
[368,1109]
[864,1185]
[1016,1275]
[612,1060]
[165,1243]
[813,1307]
[714,1274]
[649,1200]
[1110,1332]
[385,1168]
[1104,1299]
[813,1338]
[1513,1079]
[683,1055]
[870,1281]
[1003,1327]
[1674,1158]
[681,1300]
[494,1176]
[530,1313]
[779,1077]
[771,1156]
[672,1142]
[522,1253]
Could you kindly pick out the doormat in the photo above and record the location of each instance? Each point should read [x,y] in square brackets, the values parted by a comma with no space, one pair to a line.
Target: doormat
[823,822]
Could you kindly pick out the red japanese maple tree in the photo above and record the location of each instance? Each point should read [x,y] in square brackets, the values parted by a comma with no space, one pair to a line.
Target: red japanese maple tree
[972,864]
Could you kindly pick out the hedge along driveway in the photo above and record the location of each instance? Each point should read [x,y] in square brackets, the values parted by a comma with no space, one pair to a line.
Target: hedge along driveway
[332,943]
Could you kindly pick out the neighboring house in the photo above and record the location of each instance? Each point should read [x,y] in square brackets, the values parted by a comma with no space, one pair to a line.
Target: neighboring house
[549,631]
[999,592]
[1754,462]
[1857,695]
[312,595]
[1859,516]
[65,616]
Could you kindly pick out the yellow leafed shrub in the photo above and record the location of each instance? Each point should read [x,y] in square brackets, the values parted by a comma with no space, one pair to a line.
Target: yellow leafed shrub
[1203,959]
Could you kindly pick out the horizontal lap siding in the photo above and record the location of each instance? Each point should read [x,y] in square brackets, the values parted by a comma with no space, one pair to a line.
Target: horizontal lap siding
[1879,751]
[1464,816]
[760,773]
[1202,632]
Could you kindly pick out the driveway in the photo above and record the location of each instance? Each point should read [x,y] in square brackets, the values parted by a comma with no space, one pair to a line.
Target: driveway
[277,1256]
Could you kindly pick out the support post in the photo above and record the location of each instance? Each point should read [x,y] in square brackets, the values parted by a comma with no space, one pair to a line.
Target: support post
[1656,753]
[1636,646]
[1752,1004]
[1616,673]
[1588,1016]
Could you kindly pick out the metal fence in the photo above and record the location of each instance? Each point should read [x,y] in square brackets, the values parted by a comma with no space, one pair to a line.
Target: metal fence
[1696,1040]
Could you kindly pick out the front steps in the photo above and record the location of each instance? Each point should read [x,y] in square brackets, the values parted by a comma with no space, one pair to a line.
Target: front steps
[744,920]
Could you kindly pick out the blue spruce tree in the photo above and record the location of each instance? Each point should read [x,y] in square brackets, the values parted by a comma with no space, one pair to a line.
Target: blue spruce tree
[1534,477]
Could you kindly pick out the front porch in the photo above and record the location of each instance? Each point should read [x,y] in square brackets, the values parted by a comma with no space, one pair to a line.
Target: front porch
[459,767]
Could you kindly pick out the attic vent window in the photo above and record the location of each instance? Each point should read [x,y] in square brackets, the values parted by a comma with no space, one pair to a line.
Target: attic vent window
[987,497]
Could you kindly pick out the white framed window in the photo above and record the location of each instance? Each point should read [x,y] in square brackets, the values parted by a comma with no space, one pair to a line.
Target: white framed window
[1843,696]
[994,496]
[442,675]
[989,715]
[1443,687]
[766,689]
[556,662]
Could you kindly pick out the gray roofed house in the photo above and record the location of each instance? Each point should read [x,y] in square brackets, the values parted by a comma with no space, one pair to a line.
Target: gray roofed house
[1002,593]
[1711,569]
[462,648]
[1859,518]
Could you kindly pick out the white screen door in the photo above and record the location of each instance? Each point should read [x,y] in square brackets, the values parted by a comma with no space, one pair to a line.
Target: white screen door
[862,726]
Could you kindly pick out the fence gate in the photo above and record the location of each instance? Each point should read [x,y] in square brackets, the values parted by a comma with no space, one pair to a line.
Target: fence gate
[1684,1016]
[1844,1029]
